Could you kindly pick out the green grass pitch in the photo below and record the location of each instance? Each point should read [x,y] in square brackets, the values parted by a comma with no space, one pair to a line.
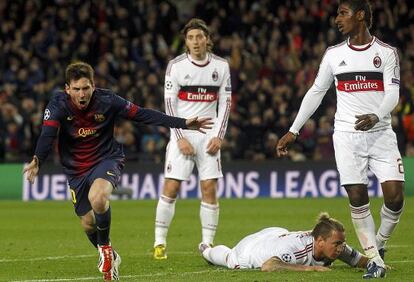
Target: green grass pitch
[43,241]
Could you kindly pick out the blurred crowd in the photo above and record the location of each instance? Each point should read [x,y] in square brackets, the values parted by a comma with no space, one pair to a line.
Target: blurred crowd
[273,47]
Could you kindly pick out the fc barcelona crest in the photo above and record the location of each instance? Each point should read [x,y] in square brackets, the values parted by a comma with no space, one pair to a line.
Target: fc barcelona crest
[99,117]
[214,76]
[377,61]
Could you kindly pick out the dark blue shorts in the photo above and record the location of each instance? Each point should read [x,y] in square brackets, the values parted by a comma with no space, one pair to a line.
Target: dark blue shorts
[79,186]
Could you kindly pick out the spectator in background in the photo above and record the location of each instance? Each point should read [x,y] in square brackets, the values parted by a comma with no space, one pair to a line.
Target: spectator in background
[273,49]
[234,145]
[324,149]
[308,138]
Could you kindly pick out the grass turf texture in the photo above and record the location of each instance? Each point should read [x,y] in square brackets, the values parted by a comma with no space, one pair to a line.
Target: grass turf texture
[43,241]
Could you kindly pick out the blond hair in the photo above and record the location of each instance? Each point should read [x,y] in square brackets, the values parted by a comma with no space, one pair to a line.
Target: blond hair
[326,225]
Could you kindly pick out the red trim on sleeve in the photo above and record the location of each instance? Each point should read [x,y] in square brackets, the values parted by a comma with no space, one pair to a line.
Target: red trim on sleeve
[132,111]
[53,123]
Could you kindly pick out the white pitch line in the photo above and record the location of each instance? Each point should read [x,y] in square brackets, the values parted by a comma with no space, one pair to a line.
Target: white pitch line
[46,258]
[156,274]
[398,246]
[122,276]
[80,256]
[139,255]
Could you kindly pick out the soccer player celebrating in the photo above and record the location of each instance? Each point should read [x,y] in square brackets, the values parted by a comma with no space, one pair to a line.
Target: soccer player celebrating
[83,117]
[276,249]
[196,83]
[366,74]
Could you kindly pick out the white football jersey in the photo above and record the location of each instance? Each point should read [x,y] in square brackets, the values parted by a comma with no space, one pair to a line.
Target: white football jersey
[290,247]
[362,76]
[192,90]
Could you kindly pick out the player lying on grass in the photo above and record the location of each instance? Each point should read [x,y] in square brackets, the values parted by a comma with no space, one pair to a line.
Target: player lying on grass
[275,249]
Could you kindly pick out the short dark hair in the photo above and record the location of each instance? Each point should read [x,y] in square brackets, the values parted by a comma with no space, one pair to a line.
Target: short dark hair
[326,225]
[78,70]
[196,23]
[360,5]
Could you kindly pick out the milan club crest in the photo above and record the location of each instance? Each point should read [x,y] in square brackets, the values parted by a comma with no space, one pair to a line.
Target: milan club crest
[377,62]
[214,76]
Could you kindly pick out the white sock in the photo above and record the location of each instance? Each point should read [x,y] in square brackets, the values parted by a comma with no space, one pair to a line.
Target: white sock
[217,255]
[365,229]
[164,215]
[389,220]
[209,216]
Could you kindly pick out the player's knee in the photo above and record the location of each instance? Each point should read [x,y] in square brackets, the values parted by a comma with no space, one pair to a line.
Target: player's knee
[395,203]
[394,197]
[171,188]
[358,200]
[208,186]
[98,199]
[99,193]
[357,196]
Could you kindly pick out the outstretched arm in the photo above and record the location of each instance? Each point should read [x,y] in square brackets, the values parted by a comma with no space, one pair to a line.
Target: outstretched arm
[149,116]
[199,124]
[131,111]
[276,264]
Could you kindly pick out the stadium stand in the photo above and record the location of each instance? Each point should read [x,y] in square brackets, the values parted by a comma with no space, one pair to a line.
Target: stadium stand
[274,49]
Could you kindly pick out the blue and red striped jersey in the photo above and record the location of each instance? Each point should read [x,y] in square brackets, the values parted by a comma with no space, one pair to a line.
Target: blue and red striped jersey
[86,137]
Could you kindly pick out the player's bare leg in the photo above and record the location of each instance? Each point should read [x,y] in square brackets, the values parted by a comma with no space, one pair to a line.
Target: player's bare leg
[209,210]
[390,213]
[365,227]
[98,196]
[164,215]
[89,226]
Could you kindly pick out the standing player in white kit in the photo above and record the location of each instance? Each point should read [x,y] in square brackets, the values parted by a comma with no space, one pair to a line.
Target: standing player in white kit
[275,249]
[196,82]
[366,74]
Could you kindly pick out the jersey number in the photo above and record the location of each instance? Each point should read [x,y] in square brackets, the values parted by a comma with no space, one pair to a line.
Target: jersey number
[400,166]
[73,194]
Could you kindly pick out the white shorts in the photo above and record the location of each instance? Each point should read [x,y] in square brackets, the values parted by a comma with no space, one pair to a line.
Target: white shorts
[356,152]
[240,257]
[180,167]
